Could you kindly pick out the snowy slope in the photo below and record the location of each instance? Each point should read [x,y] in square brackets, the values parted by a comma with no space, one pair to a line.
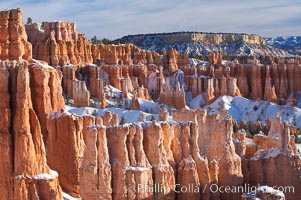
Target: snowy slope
[248,110]
[291,44]
[198,102]
[131,116]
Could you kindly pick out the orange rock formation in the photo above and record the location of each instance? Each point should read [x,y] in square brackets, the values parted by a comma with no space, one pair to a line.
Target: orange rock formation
[26,101]
[13,38]
[59,43]
[173,96]
[25,172]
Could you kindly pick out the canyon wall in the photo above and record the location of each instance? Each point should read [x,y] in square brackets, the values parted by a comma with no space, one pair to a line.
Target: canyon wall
[29,91]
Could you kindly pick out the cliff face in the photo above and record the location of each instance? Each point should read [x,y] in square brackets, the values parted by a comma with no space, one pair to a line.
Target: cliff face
[68,157]
[95,172]
[150,75]
[129,69]
[46,91]
[26,173]
[60,44]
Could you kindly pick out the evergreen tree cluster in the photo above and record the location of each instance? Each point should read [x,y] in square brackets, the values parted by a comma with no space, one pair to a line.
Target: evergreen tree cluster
[96,41]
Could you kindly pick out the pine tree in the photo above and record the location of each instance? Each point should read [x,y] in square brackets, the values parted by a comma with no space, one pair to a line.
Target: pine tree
[126,104]
[94,40]
[95,113]
[294,121]
[106,41]
[122,121]
[42,26]
[29,20]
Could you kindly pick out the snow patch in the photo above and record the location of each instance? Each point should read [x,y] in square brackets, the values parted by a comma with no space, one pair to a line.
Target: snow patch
[53,174]
[269,190]
[298,149]
[140,169]
[130,116]
[69,197]
[272,153]
[250,142]
[40,63]
[198,102]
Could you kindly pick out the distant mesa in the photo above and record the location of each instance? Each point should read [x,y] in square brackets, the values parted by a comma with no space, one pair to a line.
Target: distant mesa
[208,38]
